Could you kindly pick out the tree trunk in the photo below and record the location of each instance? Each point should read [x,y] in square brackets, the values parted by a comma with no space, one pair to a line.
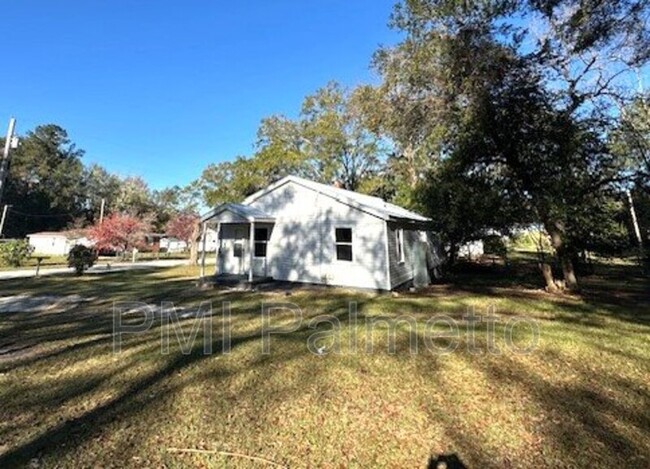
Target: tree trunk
[556,232]
[452,255]
[568,271]
[194,244]
[547,273]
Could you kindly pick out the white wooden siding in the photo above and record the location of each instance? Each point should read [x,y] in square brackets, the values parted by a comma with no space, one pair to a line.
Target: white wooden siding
[50,245]
[402,272]
[54,245]
[210,242]
[302,243]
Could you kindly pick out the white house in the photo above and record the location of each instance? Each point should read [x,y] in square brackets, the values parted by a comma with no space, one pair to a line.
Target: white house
[471,250]
[56,243]
[211,241]
[173,245]
[302,231]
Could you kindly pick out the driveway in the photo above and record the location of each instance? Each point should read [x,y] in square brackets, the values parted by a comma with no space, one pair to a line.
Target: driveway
[99,268]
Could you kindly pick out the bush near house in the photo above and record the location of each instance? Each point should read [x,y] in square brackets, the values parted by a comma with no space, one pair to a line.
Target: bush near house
[81,258]
[15,252]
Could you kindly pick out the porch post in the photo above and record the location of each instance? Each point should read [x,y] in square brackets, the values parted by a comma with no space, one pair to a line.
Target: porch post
[203,236]
[251,243]
[217,249]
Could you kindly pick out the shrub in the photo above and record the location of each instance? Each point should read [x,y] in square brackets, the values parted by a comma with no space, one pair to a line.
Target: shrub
[81,258]
[15,252]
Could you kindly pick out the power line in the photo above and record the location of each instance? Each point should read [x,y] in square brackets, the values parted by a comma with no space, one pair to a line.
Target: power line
[44,215]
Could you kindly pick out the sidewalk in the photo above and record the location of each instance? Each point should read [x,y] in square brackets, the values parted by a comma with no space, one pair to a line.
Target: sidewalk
[99,268]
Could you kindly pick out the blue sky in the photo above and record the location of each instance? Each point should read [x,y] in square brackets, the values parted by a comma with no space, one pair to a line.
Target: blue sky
[161,88]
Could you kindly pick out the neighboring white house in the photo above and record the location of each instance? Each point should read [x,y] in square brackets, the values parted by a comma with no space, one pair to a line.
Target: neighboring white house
[173,245]
[211,240]
[471,250]
[56,243]
[302,231]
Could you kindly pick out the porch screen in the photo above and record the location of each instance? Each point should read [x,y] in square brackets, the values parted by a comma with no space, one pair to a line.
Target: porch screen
[261,240]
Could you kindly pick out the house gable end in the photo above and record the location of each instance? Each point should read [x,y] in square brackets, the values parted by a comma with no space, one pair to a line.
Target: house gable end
[290,180]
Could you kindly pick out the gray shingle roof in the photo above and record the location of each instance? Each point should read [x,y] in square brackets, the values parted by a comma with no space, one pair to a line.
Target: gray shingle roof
[244,211]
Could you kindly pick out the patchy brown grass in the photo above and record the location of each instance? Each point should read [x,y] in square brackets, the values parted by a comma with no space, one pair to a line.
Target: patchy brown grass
[581,398]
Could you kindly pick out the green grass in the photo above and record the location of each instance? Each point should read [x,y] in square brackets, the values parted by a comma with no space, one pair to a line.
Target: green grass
[580,399]
[47,261]
[62,261]
[142,256]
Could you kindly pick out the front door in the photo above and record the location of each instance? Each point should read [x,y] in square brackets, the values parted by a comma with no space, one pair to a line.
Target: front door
[238,256]
[232,256]
[260,253]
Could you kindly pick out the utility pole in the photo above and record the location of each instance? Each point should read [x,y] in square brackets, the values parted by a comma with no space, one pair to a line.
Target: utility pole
[2,221]
[101,211]
[4,165]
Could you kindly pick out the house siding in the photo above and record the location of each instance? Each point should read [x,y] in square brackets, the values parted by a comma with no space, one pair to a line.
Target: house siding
[211,241]
[302,245]
[402,272]
[49,245]
[54,245]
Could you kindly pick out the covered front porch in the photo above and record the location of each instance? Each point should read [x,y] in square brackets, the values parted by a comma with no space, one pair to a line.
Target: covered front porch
[240,244]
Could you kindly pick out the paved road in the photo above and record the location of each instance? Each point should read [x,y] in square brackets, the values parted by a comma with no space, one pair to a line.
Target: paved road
[99,268]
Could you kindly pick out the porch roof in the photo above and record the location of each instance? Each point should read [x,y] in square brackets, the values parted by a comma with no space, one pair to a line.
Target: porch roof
[236,213]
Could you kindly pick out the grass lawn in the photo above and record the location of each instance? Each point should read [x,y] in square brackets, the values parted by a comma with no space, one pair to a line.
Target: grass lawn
[580,398]
[62,261]
[47,261]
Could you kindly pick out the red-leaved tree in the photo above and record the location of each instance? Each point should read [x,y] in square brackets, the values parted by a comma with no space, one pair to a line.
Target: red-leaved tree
[181,226]
[120,232]
[185,226]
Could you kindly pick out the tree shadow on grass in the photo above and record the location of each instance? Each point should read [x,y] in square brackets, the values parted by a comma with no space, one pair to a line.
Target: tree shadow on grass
[578,409]
[581,418]
[129,402]
[137,396]
[616,291]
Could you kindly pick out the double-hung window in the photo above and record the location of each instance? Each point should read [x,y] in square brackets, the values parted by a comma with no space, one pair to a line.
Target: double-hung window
[261,241]
[343,244]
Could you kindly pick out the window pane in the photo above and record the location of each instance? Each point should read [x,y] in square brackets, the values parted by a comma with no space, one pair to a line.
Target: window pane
[238,252]
[400,245]
[344,235]
[343,252]
[260,249]
[261,234]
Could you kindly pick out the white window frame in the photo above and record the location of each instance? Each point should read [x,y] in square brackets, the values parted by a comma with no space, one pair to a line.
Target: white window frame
[344,243]
[400,245]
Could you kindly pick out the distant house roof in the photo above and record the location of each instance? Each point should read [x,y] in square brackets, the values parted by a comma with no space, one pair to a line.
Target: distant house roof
[367,203]
[47,233]
[243,211]
[71,234]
